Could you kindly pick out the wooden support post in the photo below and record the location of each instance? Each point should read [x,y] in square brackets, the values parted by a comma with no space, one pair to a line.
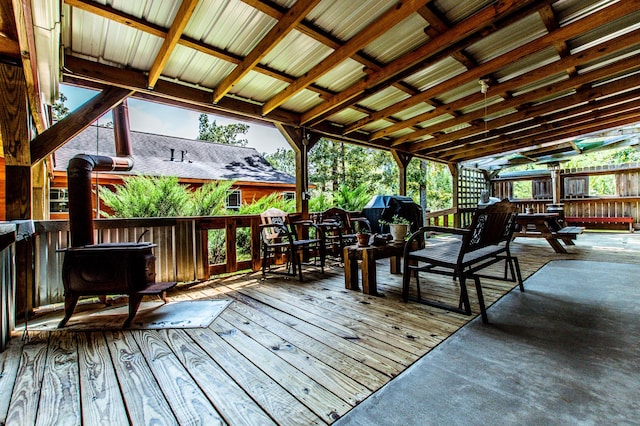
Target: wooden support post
[455,175]
[555,184]
[402,160]
[14,129]
[301,143]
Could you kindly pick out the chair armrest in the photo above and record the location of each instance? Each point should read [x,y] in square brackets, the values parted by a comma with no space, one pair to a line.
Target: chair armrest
[443,230]
[307,224]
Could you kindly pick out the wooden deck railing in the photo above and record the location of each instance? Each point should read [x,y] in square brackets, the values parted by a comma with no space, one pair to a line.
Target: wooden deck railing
[181,252]
[590,207]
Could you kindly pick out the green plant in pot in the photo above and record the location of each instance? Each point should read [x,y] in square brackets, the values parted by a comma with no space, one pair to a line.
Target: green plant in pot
[398,226]
[364,236]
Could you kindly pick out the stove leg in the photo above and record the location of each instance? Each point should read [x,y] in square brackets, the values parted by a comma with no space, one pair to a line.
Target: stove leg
[70,302]
[134,304]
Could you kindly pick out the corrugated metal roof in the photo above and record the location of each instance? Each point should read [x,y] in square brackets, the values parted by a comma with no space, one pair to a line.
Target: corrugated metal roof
[431,57]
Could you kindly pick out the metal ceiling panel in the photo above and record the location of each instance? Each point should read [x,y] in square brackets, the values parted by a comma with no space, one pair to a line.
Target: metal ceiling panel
[346,18]
[435,74]
[303,101]
[258,87]
[347,115]
[384,98]
[527,64]
[455,10]
[230,25]
[347,73]
[286,55]
[508,39]
[402,38]
[235,27]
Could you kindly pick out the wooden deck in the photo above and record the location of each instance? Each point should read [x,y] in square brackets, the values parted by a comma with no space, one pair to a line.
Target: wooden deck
[283,352]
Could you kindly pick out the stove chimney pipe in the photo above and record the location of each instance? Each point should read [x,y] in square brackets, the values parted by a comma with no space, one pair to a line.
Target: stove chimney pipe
[80,200]
[121,132]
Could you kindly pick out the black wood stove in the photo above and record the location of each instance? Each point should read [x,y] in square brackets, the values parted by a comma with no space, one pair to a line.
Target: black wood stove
[102,269]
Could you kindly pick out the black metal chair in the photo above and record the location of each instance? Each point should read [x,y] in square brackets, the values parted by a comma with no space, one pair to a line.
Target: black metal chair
[340,230]
[484,243]
[280,243]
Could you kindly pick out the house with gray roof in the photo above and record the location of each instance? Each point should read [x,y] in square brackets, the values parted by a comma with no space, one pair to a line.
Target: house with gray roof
[193,162]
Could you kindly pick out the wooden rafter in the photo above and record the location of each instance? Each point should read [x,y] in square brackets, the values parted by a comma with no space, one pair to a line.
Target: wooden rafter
[171,40]
[612,12]
[287,23]
[70,126]
[388,20]
[421,56]
[529,98]
[601,96]
[550,130]
[24,25]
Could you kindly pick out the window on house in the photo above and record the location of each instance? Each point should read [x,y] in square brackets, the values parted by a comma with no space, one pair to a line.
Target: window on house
[234,199]
[288,195]
[59,200]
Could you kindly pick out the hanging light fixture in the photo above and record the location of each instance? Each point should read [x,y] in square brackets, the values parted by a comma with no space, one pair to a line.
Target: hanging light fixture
[484,88]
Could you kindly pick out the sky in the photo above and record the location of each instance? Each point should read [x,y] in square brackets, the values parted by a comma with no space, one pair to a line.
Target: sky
[150,117]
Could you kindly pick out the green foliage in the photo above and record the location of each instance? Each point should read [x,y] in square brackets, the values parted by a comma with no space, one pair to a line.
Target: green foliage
[348,176]
[351,199]
[228,134]
[59,109]
[148,196]
[522,190]
[320,201]
[209,199]
[597,158]
[142,196]
[395,220]
[602,185]
[271,200]
[283,160]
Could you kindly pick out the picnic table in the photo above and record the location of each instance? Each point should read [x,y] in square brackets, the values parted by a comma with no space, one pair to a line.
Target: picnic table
[547,226]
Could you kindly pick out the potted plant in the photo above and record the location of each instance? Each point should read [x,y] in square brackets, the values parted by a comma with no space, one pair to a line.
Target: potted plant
[364,236]
[398,226]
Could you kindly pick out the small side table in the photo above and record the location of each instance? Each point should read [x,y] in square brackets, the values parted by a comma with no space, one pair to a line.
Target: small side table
[367,257]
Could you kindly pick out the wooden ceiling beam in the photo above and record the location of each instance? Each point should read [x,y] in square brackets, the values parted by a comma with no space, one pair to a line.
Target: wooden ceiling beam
[27,44]
[398,70]
[139,24]
[135,80]
[519,101]
[171,40]
[574,29]
[584,101]
[71,125]
[594,126]
[323,37]
[572,61]
[464,33]
[283,27]
[389,19]
[550,132]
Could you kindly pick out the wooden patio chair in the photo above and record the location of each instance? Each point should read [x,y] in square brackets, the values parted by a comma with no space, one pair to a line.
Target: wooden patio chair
[280,243]
[484,243]
[340,230]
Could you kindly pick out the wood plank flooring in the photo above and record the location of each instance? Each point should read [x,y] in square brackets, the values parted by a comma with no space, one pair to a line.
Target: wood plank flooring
[283,352]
